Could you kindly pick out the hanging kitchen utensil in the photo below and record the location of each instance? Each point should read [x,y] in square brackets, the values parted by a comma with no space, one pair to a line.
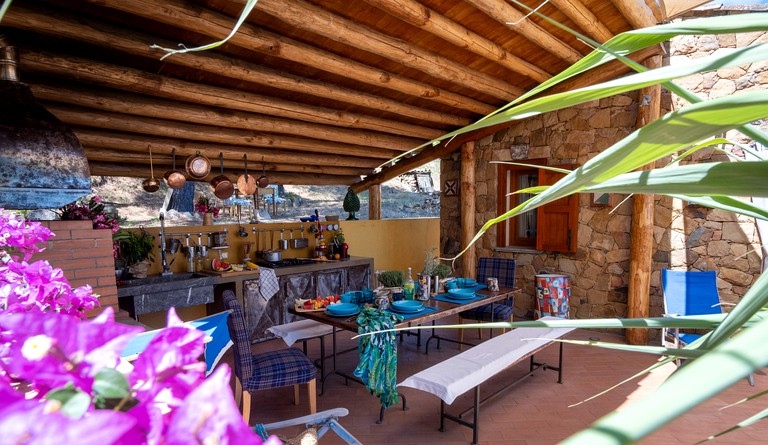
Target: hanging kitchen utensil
[283,243]
[174,178]
[151,185]
[246,183]
[300,243]
[198,166]
[263,181]
[221,185]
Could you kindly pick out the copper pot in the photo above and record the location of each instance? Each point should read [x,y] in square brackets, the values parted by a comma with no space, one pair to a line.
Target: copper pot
[174,178]
[198,166]
[221,185]
[263,181]
[246,183]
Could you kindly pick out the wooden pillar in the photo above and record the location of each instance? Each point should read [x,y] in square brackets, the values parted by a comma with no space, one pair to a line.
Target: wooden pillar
[468,189]
[374,202]
[641,234]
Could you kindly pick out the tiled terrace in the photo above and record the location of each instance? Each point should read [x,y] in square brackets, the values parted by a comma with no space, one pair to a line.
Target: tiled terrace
[534,412]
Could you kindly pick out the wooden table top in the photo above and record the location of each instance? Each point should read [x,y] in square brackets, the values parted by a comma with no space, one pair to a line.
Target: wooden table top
[445,309]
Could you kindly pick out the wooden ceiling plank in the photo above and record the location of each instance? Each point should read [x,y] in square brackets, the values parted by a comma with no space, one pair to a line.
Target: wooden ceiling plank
[120,39]
[286,178]
[504,13]
[636,12]
[133,124]
[151,107]
[165,146]
[582,16]
[249,37]
[316,20]
[136,81]
[419,15]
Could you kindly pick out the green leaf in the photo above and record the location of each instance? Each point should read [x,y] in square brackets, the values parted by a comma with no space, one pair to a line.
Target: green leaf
[74,402]
[655,350]
[110,383]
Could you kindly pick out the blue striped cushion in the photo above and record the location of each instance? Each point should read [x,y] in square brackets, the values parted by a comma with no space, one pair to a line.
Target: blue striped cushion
[238,331]
[285,367]
[504,270]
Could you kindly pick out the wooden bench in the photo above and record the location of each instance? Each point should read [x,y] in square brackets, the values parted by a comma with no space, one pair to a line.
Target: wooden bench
[467,370]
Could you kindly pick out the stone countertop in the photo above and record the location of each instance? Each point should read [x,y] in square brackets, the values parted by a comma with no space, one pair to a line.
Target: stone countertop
[292,270]
[159,283]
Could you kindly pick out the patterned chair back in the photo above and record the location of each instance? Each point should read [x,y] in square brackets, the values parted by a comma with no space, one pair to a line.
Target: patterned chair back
[239,334]
[501,268]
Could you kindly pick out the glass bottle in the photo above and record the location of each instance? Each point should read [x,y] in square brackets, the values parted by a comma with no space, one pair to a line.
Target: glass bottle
[409,286]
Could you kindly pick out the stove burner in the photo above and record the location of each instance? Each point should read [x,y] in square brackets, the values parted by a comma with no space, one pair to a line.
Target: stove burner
[288,262]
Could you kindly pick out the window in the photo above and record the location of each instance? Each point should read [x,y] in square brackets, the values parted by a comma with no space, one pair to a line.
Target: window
[551,227]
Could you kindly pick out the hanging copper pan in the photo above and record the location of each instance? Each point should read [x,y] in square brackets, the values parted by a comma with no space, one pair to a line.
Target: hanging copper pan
[174,178]
[263,181]
[151,185]
[221,185]
[246,183]
[198,166]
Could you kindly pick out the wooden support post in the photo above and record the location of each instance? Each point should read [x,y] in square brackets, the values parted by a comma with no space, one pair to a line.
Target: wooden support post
[468,189]
[374,202]
[641,234]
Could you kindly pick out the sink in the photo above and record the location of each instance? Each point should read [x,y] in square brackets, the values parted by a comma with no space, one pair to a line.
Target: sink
[158,293]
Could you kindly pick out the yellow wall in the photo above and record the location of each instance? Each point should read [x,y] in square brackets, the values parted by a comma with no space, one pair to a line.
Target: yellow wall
[394,244]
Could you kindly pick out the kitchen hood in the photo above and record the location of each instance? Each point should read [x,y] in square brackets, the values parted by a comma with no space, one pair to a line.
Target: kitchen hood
[42,164]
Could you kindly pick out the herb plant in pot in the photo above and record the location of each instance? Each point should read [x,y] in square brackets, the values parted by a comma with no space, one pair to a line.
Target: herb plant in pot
[136,248]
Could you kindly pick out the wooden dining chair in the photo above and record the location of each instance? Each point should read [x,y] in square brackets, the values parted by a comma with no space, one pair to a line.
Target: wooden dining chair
[504,270]
[267,370]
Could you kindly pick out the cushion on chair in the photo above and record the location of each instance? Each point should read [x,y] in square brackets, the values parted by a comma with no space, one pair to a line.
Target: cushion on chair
[501,268]
[238,331]
[285,367]
[499,312]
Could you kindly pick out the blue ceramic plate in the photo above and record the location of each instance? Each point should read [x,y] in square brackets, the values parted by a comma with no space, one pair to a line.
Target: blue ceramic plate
[407,306]
[355,311]
[461,294]
[341,308]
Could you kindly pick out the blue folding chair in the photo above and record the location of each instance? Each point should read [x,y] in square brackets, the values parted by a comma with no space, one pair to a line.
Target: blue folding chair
[688,293]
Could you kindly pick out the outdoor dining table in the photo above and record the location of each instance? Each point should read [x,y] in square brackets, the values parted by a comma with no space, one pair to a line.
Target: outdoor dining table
[436,309]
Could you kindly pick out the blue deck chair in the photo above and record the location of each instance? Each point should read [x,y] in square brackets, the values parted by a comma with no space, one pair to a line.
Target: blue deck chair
[688,293]
[504,270]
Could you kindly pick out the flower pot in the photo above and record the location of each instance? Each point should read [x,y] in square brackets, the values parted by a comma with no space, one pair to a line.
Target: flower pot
[207,219]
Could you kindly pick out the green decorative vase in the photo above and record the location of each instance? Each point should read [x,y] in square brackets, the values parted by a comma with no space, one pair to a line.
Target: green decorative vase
[351,204]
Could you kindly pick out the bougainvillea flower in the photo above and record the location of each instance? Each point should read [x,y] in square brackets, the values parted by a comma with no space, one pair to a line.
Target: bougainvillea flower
[52,349]
[209,415]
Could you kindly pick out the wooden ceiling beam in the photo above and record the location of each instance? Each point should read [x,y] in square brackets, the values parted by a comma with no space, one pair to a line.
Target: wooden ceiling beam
[141,171]
[419,15]
[231,166]
[158,108]
[637,13]
[506,14]
[164,147]
[136,81]
[158,127]
[319,21]
[582,16]
[123,40]
[200,20]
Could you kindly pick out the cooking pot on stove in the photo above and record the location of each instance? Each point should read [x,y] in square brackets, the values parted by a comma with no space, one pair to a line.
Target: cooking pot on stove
[272,255]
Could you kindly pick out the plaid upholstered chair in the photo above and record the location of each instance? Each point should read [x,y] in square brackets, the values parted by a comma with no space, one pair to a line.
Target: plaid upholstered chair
[504,270]
[267,370]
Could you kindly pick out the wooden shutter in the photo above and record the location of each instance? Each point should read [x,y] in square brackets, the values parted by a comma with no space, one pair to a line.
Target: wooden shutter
[558,222]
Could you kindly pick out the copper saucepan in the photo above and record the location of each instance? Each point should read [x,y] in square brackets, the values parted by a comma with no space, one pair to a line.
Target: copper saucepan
[174,178]
[221,185]
[246,183]
[198,166]
[263,181]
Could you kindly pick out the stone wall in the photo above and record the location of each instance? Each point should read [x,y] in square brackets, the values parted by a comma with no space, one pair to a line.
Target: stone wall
[686,237]
[599,267]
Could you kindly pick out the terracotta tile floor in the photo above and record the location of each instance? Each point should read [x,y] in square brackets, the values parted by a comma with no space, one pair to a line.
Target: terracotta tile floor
[533,412]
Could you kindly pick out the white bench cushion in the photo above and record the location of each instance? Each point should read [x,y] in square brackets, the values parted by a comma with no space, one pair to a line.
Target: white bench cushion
[300,330]
[458,374]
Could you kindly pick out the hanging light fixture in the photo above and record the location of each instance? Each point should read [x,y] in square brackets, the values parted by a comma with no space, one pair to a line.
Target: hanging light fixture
[43,164]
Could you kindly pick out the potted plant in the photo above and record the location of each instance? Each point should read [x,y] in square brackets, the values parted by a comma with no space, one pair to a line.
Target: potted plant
[435,269]
[136,248]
